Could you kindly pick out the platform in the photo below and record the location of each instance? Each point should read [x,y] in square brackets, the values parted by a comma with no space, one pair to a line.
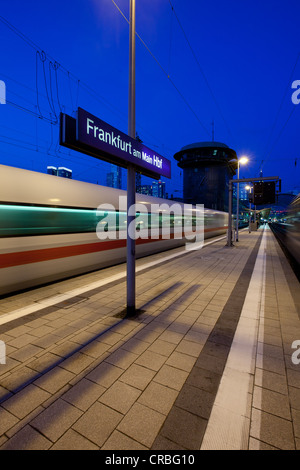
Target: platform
[207,363]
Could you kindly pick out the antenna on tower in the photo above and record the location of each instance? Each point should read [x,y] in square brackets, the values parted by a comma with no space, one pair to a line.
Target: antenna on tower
[213,130]
[261,169]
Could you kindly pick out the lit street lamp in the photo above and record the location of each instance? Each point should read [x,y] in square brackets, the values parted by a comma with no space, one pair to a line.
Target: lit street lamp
[241,161]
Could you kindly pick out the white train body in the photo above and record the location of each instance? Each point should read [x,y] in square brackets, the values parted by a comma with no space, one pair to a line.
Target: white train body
[48,228]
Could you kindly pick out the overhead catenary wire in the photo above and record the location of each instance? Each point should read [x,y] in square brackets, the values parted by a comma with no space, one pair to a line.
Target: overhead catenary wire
[29,111]
[55,67]
[287,89]
[49,119]
[84,86]
[3,126]
[201,70]
[51,93]
[42,56]
[33,45]
[77,94]
[44,150]
[38,50]
[39,113]
[171,40]
[165,72]
[279,135]
[70,89]
[22,98]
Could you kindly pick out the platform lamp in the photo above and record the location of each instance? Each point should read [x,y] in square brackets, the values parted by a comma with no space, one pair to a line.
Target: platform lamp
[241,161]
[249,188]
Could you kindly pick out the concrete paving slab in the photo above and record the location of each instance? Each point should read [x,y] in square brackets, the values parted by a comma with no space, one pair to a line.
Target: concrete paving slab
[81,376]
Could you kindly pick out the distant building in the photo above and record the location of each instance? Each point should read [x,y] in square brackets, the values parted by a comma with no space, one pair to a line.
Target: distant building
[138,182]
[146,189]
[156,189]
[244,196]
[110,180]
[159,189]
[114,178]
[243,192]
[52,170]
[207,169]
[60,171]
[64,172]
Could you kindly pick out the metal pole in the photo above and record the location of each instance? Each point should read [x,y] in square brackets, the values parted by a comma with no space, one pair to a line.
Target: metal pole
[237,204]
[131,107]
[250,217]
[131,169]
[229,232]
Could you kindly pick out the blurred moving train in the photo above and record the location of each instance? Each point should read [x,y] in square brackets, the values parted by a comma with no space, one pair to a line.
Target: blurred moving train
[48,228]
[288,231]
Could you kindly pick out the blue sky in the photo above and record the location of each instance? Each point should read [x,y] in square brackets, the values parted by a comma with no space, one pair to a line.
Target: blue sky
[232,62]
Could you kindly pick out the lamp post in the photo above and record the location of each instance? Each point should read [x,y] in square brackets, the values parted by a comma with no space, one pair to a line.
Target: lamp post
[131,170]
[241,161]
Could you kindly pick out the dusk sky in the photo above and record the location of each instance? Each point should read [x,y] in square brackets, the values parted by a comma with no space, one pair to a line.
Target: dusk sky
[232,62]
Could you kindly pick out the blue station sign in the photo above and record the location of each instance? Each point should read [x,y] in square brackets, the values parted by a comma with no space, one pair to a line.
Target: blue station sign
[91,135]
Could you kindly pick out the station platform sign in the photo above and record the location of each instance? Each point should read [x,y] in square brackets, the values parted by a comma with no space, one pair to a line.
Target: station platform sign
[91,135]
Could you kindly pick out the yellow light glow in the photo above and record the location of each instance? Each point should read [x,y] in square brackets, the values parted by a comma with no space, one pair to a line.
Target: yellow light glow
[243,160]
[247,188]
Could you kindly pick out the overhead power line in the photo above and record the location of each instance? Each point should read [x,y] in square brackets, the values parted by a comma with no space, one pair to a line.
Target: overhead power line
[201,70]
[58,66]
[287,89]
[165,72]
[55,65]
[278,136]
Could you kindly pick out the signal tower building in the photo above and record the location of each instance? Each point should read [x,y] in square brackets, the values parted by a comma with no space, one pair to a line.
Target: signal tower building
[207,169]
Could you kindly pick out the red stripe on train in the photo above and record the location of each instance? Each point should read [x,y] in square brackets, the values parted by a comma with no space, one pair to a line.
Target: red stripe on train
[8,260]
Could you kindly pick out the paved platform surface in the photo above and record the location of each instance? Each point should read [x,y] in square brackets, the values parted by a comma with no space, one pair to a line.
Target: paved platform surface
[207,363]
